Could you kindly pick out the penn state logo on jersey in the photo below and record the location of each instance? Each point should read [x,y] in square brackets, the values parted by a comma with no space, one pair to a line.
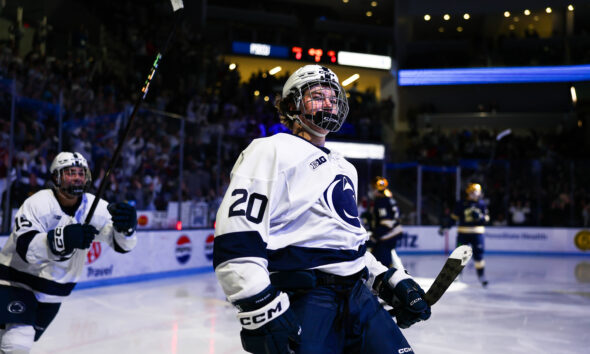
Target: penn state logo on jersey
[340,198]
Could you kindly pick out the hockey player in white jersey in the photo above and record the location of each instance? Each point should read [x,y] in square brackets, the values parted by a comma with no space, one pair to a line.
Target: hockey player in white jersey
[289,246]
[44,256]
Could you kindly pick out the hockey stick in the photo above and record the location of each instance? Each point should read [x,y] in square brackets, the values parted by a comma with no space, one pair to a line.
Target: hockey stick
[452,268]
[176,6]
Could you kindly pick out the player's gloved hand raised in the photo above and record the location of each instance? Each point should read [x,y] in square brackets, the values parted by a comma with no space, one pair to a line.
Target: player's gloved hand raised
[64,239]
[268,324]
[401,292]
[124,217]
[476,215]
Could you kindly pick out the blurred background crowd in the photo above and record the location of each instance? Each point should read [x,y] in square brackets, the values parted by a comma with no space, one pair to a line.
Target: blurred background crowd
[201,112]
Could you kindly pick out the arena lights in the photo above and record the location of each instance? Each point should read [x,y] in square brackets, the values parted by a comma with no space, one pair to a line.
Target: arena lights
[364,60]
[509,75]
[358,150]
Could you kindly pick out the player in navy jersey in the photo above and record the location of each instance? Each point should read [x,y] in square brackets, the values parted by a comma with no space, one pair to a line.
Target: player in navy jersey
[385,223]
[44,256]
[289,248]
[471,215]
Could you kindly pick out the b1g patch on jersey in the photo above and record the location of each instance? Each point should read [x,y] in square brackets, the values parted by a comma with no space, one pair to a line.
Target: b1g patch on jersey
[340,198]
[317,162]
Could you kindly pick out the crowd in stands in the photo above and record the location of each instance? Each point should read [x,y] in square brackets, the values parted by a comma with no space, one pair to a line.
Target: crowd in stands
[529,177]
[222,115]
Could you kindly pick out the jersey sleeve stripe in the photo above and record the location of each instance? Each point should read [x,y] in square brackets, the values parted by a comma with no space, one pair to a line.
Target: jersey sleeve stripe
[297,258]
[22,243]
[36,283]
[238,245]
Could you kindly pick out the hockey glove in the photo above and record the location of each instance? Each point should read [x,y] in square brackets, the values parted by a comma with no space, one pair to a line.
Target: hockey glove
[442,230]
[476,215]
[401,292]
[268,324]
[64,239]
[124,217]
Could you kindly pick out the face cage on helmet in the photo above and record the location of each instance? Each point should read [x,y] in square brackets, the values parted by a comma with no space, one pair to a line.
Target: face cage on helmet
[325,119]
[74,190]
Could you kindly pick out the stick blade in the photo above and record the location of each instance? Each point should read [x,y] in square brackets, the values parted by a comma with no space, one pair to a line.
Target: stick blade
[452,268]
[177,5]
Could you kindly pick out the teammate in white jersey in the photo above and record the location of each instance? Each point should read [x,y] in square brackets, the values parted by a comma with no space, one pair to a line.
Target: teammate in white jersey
[44,256]
[289,246]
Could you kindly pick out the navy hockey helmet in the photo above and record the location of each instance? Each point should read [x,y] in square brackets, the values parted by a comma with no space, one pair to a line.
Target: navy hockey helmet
[62,161]
[301,84]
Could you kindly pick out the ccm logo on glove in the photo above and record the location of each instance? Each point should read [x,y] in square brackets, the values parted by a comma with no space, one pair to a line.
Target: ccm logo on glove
[257,318]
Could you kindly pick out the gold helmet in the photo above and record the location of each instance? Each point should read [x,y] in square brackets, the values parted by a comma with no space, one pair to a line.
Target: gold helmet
[380,183]
[473,191]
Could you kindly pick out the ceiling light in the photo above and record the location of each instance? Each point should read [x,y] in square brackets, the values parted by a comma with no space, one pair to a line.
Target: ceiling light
[427,17]
[466,16]
[570,7]
[527,12]
[548,10]
[374,3]
[369,13]
[447,17]
[350,80]
[506,13]
[275,70]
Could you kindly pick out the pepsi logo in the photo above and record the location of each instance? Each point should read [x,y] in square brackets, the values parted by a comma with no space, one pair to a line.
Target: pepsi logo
[209,247]
[94,252]
[184,249]
[142,220]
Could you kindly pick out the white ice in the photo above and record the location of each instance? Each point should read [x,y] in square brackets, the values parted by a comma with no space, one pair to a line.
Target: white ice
[533,304]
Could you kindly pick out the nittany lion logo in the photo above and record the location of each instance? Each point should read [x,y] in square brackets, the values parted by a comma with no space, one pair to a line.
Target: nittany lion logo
[340,197]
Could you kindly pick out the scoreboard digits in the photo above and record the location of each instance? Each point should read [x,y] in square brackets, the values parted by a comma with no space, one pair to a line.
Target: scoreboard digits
[314,54]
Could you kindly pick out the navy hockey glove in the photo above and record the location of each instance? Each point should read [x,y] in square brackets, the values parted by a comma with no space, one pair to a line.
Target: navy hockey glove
[64,239]
[269,326]
[476,215]
[124,217]
[401,292]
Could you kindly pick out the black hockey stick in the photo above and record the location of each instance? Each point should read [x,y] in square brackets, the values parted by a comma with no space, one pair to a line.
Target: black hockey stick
[176,6]
[452,268]
[449,272]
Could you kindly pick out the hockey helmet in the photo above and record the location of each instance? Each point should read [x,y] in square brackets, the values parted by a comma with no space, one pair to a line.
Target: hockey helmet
[306,78]
[380,183]
[67,159]
[473,191]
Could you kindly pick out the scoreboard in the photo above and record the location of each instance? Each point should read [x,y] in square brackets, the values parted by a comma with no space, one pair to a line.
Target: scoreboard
[316,55]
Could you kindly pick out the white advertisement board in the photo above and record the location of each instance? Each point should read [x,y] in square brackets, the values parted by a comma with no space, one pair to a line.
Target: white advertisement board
[168,253]
[532,240]
[158,254]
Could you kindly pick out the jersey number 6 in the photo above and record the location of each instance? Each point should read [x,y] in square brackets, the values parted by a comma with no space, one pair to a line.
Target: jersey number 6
[237,210]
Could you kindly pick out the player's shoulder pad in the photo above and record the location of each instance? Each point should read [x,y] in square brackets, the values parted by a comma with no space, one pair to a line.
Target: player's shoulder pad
[40,203]
[265,157]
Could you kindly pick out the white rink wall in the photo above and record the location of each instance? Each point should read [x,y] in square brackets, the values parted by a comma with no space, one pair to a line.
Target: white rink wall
[169,253]
[506,240]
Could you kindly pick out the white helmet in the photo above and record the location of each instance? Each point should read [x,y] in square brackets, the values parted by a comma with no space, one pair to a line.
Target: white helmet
[307,77]
[70,159]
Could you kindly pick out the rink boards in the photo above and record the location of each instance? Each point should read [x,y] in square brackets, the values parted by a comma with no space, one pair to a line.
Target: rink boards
[169,253]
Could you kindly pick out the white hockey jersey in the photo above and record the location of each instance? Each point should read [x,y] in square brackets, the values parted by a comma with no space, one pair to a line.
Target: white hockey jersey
[26,260]
[290,205]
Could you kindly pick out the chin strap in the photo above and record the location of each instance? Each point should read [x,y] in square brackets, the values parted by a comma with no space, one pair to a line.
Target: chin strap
[305,127]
